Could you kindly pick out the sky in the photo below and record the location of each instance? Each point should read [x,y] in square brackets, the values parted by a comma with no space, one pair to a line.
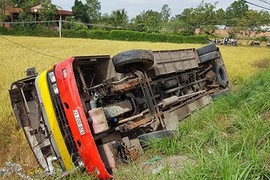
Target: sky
[134,7]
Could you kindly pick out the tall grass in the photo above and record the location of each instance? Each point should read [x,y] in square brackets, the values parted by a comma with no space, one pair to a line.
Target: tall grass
[230,139]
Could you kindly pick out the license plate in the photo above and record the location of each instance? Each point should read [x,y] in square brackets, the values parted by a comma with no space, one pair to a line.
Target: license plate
[79,122]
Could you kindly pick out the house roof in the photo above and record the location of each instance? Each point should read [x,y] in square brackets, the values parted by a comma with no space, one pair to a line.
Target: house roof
[65,12]
[60,11]
[10,10]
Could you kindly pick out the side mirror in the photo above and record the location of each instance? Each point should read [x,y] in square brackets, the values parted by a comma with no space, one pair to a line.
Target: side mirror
[31,71]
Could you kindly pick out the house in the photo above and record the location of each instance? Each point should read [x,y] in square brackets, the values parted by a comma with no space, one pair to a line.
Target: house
[13,15]
[61,13]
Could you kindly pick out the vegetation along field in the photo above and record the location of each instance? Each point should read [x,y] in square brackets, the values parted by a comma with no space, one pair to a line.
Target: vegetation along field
[227,140]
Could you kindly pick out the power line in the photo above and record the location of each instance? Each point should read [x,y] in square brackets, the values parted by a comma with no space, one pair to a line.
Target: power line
[96,25]
[22,46]
[264,1]
[29,22]
[257,5]
[71,22]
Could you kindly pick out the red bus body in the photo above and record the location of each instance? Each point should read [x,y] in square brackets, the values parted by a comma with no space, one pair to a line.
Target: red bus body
[71,101]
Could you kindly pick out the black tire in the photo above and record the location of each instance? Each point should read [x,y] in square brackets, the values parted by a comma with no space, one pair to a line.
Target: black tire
[145,139]
[134,59]
[206,49]
[221,75]
[209,57]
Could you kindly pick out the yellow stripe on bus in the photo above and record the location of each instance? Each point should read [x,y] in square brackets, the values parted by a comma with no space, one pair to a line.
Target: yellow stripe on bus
[47,102]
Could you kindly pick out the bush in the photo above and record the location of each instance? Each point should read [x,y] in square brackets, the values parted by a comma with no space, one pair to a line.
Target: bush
[99,34]
[21,30]
[262,39]
[82,33]
[6,31]
[125,35]
[122,35]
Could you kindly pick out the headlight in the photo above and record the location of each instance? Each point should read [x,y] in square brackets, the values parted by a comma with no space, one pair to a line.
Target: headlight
[64,72]
[52,77]
[55,89]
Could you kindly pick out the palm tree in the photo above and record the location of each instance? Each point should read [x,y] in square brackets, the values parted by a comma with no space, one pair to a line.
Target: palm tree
[119,17]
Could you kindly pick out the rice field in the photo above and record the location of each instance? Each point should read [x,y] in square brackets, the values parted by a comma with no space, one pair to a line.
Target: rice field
[241,63]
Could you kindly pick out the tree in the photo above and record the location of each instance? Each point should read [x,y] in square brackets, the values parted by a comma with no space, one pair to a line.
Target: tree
[246,22]
[185,15]
[236,11]
[202,17]
[106,19]
[25,17]
[204,14]
[165,13]
[252,22]
[220,16]
[80,12]
[18,3]
[27,3]
[178,27]
[93,10]
[88,12]
[48,11]
[119,17]
[148,21]
[3,4]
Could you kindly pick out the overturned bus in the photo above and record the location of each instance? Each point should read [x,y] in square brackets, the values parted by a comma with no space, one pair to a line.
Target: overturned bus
[96,112]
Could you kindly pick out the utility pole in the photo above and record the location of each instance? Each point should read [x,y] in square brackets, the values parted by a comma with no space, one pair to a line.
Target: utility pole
[60,26]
